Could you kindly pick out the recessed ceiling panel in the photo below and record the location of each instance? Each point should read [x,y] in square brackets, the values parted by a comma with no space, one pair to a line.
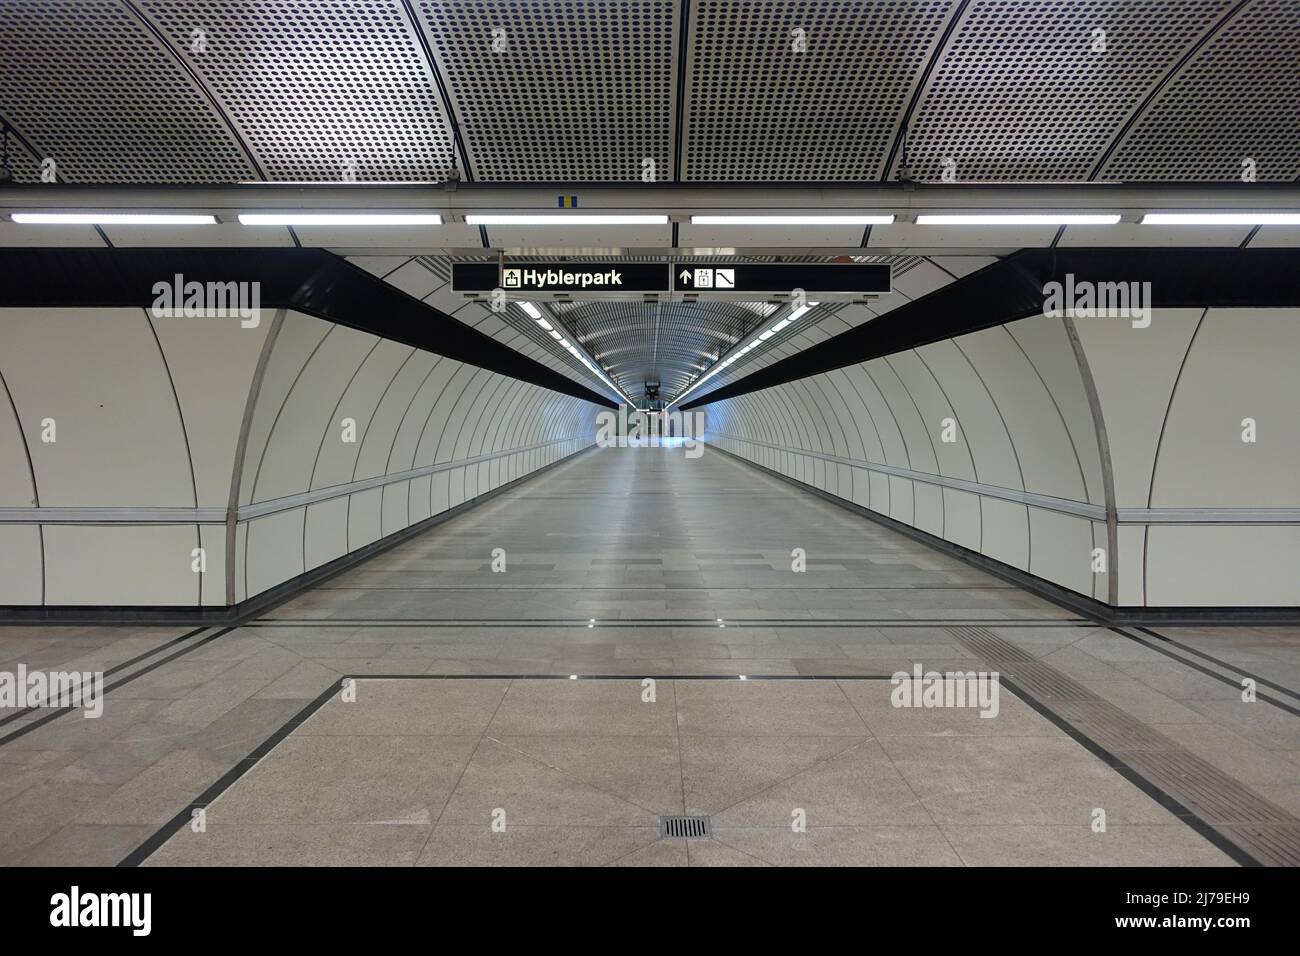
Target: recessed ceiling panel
[546,91]
[802,91]
[667,342]
[1232,108]
[320,89]
[1038,89]
[92,88]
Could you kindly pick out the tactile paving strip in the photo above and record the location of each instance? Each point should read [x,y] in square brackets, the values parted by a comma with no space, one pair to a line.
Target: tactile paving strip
[989,646]
[1276,845]
[1263,830]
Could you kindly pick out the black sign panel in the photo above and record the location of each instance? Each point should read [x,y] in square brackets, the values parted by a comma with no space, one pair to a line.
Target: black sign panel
[544,277]
[853,277]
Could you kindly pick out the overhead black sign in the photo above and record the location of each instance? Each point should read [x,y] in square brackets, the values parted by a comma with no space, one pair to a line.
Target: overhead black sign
[850,277]
[543,277]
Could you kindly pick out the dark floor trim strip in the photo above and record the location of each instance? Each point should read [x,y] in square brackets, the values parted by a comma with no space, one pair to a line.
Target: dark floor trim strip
[228,779]
[164,833]
[59,712]
[168,829]
[1224,664]
[632,623]
[1202,669]
[115,668]
[1132,776]
[1049,591]
[22,614]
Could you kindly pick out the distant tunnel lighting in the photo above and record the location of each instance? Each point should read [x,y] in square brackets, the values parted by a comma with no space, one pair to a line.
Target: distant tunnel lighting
[1019,219]
[793,220]
[1221,219]
[533,311]
[339,219]
[719,366]
[559,219]
[113,219]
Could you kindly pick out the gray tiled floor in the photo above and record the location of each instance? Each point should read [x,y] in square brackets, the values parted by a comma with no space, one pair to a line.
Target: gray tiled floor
[581,771]
[633,562]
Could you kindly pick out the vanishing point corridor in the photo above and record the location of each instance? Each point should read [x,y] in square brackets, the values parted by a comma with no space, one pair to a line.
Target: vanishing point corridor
[657,580]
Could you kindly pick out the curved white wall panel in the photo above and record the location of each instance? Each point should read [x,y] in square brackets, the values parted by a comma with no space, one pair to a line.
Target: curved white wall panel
[113,511]
[1024,481]
[1240,365]
[99,374]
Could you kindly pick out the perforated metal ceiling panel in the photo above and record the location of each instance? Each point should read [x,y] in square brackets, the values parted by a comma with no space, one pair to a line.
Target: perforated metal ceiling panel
[577,90]
[757,110]
[665,342]
[20,162]
[1237,98]
[92,88]
[1038,89]
[321,89]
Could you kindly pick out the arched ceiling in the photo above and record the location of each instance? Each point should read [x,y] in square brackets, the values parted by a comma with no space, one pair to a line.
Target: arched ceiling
[706,91]
[204,91]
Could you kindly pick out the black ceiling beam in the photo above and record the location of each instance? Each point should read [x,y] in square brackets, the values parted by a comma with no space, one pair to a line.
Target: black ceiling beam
[1012,288]
[312,281]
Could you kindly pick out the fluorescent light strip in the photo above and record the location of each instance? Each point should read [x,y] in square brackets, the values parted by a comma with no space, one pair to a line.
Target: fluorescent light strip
[339,219]
[1020,219]
[554,219]
[723,363]
[1221,219]
[113,219]
[795,220]
[536,314]
[1015,219]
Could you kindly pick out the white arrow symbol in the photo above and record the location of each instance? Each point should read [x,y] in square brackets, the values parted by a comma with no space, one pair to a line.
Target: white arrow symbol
[685,275]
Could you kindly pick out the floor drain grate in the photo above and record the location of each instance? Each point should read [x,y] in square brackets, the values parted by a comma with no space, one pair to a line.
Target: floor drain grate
[684,828]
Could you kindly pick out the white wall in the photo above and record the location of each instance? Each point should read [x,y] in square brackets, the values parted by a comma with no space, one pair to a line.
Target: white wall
[148,417]
[1172,398]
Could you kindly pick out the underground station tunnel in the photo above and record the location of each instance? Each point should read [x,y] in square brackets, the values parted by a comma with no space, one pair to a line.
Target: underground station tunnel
[658,433]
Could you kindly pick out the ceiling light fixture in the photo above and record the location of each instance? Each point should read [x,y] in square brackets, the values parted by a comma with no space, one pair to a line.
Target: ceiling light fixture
[293,218]
[1221,219]
[1020,219]
[794,220]
[532,310]
[113,219]
[559,219]
[723,363]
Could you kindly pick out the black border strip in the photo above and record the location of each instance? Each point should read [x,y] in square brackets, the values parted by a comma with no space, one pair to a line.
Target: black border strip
[54,714]
[1012,289]
[169,829]
[1089,608]
[314,281]
[1224,664]
[1213,836]
[114,669]
[1221,678]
